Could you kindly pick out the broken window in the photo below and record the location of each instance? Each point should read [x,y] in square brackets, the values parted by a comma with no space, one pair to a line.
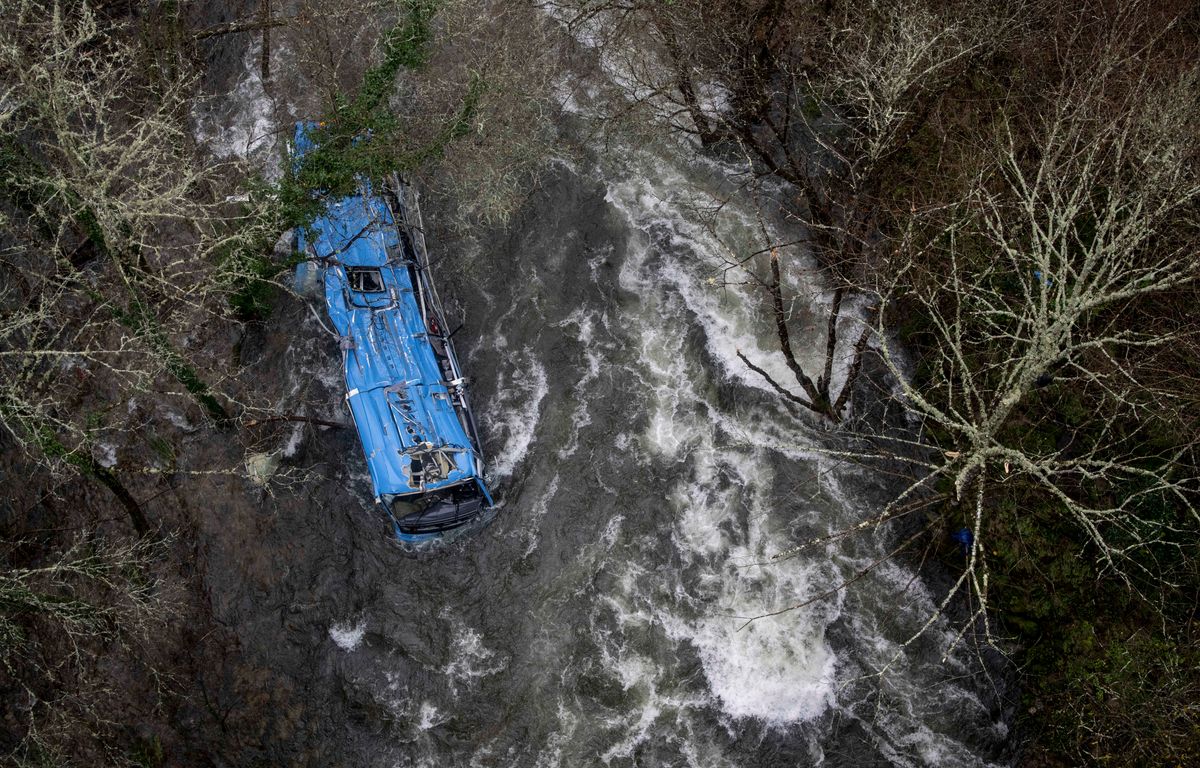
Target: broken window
[365,280]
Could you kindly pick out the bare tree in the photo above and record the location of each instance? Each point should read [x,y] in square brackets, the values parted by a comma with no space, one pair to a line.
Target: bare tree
[1045,261]
[53,617]
[116,248]
[518,54]
[833,130]
[823,97]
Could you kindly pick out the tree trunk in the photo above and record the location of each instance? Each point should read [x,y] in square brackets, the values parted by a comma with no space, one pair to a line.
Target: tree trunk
[110,481]
[266,40]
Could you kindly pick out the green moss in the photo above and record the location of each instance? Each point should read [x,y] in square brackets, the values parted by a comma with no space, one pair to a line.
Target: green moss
[139,318]
[254,270]
[1072,409]
[164,450]
[1108,676]
[147,752]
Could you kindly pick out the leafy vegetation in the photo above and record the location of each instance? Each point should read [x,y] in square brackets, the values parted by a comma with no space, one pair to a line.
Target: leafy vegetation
[359,138]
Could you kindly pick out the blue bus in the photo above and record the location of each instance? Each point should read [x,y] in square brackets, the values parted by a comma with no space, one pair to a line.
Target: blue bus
[404,388]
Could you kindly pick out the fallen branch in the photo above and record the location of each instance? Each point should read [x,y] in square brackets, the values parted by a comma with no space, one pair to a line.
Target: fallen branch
[785,342]
[303,419]
[858,576]
[860,347]
[778,387]
[241,25]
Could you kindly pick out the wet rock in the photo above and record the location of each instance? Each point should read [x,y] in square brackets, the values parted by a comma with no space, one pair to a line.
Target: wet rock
[261,466]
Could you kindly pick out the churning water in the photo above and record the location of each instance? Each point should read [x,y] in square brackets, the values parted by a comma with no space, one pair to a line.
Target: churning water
[644,474]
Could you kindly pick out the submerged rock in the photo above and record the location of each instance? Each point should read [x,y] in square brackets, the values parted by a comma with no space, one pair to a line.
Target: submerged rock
[261,466]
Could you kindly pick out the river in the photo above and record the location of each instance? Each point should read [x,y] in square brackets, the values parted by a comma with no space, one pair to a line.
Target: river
[643,475]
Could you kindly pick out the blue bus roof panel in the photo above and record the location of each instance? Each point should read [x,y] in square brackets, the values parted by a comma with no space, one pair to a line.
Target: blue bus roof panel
[404,388]
[395,388]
